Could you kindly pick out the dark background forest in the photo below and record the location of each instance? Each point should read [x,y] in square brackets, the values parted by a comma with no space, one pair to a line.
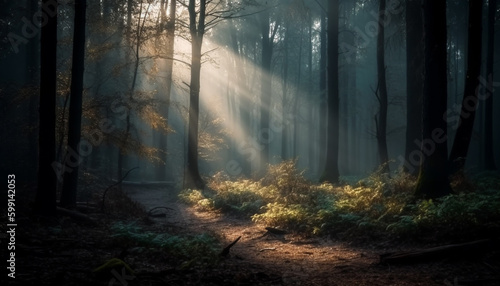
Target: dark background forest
[366,122]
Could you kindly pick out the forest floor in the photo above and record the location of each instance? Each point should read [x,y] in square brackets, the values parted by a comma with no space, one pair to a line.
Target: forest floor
[296,260]
[64,252]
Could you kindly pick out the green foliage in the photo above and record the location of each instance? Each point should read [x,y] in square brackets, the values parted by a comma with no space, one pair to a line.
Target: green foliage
[378,205]
[462,211]
[489,180]
[202,247]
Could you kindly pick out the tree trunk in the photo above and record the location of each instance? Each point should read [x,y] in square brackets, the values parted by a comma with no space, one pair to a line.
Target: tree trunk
[489,156]
[433,177]
[458,154]
[322,95]
[263,133]
[45,200]
[296,101]
[331,172]
[382,92]
[284,135]
[311,142]
[197,30]
[414,82]
[244,102]
[32,54]
[170,34]
[70,185]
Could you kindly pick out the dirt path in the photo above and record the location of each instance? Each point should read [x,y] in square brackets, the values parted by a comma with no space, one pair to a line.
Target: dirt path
[293,259]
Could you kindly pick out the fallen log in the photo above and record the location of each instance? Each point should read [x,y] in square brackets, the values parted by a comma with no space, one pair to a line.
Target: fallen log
[150,212]
[463,250]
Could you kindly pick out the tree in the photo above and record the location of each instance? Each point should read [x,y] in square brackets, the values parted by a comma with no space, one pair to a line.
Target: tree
[381,92]
[168,23]
[132,103]
[197,31]
[203,15]
[285,86]
[70,184]
[238,94]
[463,136]
[312,144]
[322,92]
[331,171]
[433,177]
[268,35]
[45,200]
[414,79]
[489,158]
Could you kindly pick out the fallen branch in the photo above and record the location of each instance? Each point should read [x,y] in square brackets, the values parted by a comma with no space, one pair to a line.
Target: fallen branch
[150,212]
[225,251]
[462,250]
[117,183]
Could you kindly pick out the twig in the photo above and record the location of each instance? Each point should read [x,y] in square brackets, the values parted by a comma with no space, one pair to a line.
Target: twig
[225,251]
[117,183]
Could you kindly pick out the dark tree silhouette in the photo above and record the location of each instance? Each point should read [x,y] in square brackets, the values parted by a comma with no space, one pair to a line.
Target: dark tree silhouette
[461,143]
[266,81]
[489,158]
[169,26]
[331,172]
[433,177]
[69,191]
[381,92]
[197,31]
[414,80]
[45,200]
[322,92]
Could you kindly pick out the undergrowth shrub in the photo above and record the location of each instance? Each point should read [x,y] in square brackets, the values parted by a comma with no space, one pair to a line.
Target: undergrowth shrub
[460,211]
[378,205]
[202,247]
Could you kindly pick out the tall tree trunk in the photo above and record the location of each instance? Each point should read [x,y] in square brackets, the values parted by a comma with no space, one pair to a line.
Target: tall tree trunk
[244,102]
[382,91]
[32,53]
[197,30]
[128,33]
[331,172]
[70,185]
[470,102]
[170,34]
[136,57]
[311,142]
[284,135]
[265,92]
[45,200]
[433,177]
[489,158]
[296,101]
[322,95]
[344,77]
[414,82]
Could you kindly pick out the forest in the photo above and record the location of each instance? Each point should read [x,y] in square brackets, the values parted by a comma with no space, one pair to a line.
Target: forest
[250,142]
